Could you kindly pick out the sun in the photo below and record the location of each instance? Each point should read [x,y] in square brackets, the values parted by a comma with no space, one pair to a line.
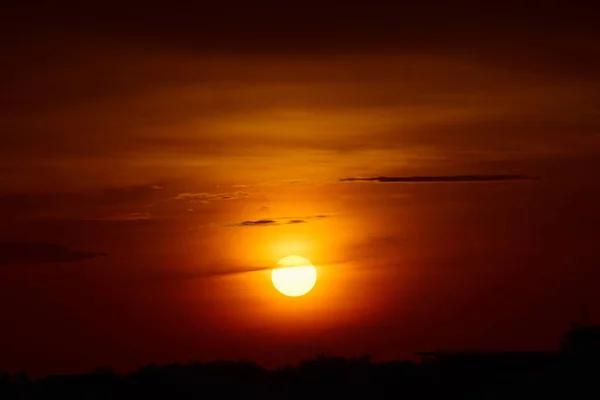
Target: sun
[294,276]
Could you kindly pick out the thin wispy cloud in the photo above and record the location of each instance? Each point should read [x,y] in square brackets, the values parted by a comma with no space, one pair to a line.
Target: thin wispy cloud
[223,271]
[134,216]
[79,204]
[440,178]
[206,197]
[32,253]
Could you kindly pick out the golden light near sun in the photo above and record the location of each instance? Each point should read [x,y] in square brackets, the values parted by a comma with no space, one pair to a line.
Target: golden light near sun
[294,276]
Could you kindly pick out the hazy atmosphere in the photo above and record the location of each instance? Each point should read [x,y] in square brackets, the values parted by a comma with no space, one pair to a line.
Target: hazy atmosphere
[437,165]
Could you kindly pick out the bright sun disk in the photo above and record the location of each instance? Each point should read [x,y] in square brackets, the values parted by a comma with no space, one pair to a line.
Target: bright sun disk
[294,276]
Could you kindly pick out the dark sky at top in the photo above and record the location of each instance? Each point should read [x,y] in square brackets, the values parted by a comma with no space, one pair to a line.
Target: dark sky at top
[550,39]
[315,25]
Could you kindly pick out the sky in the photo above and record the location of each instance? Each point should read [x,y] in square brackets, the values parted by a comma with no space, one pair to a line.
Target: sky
[437,163]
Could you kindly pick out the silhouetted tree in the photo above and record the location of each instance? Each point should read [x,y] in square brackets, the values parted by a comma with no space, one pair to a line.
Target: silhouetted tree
[104,370]
[459,375]
[582,340]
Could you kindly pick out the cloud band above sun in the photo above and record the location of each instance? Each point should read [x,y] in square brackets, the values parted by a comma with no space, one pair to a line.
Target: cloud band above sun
[441,178]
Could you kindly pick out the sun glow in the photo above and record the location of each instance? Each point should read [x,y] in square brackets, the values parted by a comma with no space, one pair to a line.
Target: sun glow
[294,276]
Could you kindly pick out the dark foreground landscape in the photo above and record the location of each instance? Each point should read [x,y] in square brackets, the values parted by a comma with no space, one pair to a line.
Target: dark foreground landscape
[573,371]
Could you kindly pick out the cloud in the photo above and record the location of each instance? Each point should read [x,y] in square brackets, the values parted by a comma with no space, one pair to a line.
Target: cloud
[280,221]
[205,197]
[77,204]
[213,273]
[305,218]
[296,221]
[31,253]
[260,222]
[134,216]
[441,178]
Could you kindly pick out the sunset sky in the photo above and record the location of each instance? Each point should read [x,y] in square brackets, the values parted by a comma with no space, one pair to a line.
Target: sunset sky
[156,162]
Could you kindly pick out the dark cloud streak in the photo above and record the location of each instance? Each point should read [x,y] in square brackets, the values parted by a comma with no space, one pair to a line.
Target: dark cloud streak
[33,253]
[440,179]
[260,222]
[280,221]
[134,216]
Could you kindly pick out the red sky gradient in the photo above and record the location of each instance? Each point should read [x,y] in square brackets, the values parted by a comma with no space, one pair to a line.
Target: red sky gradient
[145,144]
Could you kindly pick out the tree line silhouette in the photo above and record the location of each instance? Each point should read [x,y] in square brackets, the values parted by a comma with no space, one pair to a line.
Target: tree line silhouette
[573,370]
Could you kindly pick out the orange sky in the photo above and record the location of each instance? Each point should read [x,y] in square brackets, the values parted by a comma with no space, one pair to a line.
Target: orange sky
[162,148]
